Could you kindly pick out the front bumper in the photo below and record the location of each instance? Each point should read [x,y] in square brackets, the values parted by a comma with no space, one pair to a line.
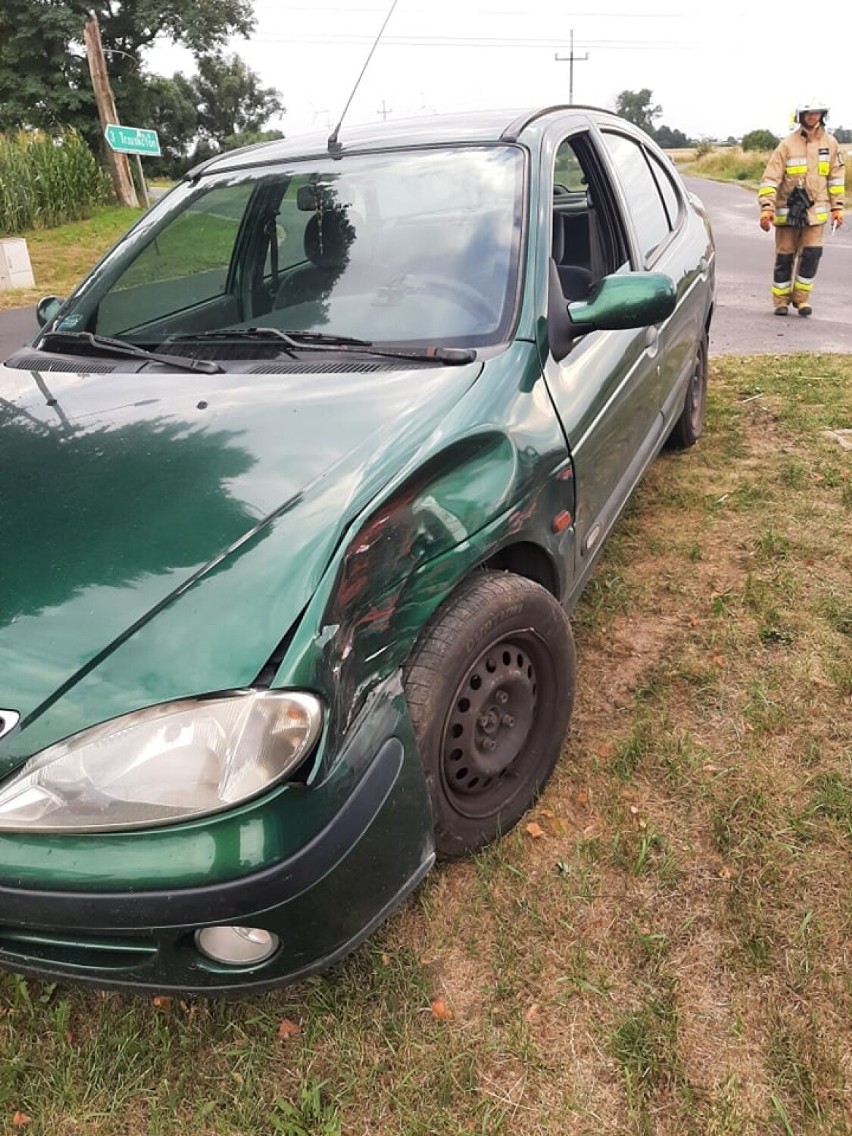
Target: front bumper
[321,900]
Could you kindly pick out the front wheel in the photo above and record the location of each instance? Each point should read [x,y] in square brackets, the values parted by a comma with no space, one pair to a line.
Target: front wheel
[490,689]
[690,425]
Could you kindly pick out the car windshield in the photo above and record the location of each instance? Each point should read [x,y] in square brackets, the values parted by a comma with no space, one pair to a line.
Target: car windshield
[405,247]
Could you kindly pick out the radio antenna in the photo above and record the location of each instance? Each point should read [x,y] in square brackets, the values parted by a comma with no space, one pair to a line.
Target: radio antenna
[333,144]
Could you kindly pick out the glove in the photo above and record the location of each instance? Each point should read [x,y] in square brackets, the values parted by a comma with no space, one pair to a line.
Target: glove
[767,218]
[837,217]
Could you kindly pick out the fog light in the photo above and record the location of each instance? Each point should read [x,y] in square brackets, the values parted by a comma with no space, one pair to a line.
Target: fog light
[236,946]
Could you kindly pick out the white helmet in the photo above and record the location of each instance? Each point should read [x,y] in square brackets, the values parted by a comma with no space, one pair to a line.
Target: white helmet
[813,106]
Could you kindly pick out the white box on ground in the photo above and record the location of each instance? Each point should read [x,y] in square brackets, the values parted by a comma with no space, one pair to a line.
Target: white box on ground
[15,268]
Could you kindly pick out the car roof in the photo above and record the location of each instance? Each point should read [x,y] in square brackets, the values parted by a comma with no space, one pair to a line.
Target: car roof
[435,129]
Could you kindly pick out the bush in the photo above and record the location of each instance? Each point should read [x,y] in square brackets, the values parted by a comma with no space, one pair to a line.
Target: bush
[45,181]
[759,140]
[731,164]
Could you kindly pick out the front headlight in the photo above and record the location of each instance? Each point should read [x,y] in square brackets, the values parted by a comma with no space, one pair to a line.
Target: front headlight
[163,764]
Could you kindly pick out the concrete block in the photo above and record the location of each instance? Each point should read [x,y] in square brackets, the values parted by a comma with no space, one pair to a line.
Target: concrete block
[15,268]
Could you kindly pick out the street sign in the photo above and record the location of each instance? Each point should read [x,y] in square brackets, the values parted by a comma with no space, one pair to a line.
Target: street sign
[132,140]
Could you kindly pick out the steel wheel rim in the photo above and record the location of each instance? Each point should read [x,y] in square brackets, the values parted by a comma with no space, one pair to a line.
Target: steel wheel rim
[697,394]
[487,727]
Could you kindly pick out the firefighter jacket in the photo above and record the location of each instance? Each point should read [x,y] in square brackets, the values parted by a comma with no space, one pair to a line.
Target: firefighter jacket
[814,164]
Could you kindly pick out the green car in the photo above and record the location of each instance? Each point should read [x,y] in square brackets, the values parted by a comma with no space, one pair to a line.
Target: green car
[300,487]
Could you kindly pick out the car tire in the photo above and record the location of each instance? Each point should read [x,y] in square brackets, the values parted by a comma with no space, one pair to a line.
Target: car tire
[490,689]
[690,425]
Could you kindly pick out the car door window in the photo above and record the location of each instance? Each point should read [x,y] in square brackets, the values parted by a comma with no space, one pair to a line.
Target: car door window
[668,191]
[644,199]
[588,235]
[187,265]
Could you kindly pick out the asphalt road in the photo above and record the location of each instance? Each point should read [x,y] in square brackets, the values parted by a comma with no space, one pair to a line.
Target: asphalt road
[744,323]
[16,328]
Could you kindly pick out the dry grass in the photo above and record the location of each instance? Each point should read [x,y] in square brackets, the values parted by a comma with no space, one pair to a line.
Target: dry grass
[672,956]
[732,163]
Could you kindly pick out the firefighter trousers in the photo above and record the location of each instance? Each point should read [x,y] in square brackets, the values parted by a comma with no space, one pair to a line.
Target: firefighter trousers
[797,255]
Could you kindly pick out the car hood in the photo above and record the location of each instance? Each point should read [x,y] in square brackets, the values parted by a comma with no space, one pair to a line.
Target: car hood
[123,493]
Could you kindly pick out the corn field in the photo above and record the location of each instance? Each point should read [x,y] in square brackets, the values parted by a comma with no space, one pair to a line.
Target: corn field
[45,181]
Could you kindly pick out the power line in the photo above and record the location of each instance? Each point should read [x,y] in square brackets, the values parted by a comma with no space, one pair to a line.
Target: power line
[429,9]
[491,42]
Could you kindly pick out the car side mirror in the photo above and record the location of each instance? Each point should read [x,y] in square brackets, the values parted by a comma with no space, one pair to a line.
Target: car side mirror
[633,299]
[47,309]
[624,300]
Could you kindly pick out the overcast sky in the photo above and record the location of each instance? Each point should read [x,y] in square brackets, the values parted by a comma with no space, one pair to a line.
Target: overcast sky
[733,68]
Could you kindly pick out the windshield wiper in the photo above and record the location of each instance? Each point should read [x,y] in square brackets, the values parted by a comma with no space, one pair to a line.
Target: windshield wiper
[235,334]
[119,348]
[321,341]
[438,354]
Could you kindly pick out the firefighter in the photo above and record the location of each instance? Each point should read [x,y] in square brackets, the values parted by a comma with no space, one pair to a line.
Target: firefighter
[802,186]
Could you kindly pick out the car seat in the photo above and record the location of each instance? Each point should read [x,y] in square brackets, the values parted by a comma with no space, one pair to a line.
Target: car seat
[576,281]
[328,237]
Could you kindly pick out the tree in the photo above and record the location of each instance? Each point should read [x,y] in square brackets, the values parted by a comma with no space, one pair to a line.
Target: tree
[170,105]
[44,79]
[220,108]
[842,135]
[636,107]
[671,139]
[230,99]
[43,82]
[759,140]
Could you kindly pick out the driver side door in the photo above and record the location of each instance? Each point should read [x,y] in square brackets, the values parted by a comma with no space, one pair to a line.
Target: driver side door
[605,389]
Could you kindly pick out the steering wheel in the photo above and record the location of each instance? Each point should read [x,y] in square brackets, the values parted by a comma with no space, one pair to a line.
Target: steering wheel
[459,292]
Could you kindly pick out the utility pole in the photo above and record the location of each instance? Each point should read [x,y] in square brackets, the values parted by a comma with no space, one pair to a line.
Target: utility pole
[125,191]
[384,112]
[570,59]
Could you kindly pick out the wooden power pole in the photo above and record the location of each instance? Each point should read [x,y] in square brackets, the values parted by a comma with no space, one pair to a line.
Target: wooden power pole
[125,191]
[571,58]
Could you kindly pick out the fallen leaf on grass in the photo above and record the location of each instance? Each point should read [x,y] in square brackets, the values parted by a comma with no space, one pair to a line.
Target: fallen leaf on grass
[534,830]
[581,798]
[162,1002]
[441,1010]
[532,1012]
[21,1120]
[288,1029]
[725,873]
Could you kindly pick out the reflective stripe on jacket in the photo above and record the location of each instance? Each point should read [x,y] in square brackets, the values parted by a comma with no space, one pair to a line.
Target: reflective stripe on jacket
[815,164]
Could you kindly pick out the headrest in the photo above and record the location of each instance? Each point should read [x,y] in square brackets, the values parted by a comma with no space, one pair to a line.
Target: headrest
[328,236]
